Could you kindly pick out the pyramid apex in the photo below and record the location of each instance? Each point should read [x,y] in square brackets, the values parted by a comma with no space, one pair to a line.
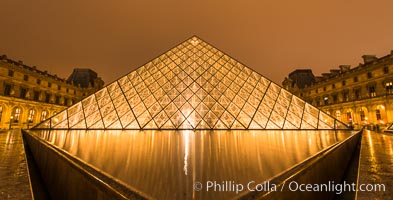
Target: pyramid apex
[192,86]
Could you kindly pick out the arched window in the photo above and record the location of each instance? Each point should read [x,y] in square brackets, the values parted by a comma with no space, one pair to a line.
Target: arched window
[30,118]
[16,114]
[363,114]
[44,115]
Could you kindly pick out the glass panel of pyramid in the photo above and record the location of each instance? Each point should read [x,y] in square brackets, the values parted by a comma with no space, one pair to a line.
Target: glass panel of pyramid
[192,86]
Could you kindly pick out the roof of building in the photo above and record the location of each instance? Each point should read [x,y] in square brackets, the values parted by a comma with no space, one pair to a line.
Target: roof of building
[32,69]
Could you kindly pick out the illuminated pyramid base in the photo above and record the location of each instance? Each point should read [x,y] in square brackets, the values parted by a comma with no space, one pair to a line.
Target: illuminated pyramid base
[192,86]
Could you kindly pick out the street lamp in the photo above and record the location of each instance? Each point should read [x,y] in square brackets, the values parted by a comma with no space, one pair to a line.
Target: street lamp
[12,117]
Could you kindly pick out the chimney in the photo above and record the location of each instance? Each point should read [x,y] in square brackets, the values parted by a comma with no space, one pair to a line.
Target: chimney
[326,75]
[344,68]
[335,71]
[369,58]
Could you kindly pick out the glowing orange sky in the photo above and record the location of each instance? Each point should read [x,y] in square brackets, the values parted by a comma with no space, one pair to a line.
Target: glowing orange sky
[273,37]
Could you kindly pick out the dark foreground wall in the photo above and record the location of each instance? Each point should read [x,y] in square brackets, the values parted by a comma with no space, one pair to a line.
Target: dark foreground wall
[67,178]
[328,167]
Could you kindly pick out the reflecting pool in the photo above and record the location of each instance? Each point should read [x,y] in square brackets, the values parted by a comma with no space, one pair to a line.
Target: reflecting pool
[167,164]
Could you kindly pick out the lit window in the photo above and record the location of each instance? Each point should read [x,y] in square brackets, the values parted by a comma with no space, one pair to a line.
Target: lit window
[362,115]
[349,116]
[44,115]
[326,100]
[389,87]
[371,91]
[30,118]
[378,114]
[16,114]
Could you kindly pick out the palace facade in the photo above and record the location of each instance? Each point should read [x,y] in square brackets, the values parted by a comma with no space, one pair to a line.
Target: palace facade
[360,96]
[29,96]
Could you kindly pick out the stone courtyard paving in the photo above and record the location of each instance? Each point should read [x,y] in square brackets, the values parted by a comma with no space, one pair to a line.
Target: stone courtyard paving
[376,165]
[14,180]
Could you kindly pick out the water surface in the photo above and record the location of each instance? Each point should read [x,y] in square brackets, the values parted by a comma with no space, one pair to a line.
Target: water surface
[167,164]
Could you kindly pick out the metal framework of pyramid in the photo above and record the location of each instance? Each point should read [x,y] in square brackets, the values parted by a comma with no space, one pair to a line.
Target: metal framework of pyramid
[192,86]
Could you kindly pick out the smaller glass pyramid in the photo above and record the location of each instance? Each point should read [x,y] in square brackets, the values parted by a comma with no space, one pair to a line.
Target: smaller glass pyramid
[192,86]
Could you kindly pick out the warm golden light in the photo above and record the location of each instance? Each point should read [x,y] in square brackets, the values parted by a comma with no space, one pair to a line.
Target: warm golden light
[192,86]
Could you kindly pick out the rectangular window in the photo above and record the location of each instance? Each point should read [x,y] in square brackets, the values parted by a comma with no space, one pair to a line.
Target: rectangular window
[25,77]
[324,89]
[357,94]
[355,79]
[47,98]
[378,114]
[362,116]
[23,92]
[36,96]
[333,86]
[349,116]
[38,81]
[371,91]
[369,75]
[49,85]
[346,96]
[343,83]
[10,73]
[386,70]
[7,90]
[326,101]
[389,87]
[57,100]
[59,87]
[335,98]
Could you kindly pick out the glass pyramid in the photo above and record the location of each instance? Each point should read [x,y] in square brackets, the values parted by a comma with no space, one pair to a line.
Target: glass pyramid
[192,86]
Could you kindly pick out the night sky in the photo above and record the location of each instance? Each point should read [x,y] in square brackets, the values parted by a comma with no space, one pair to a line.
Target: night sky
[114,37]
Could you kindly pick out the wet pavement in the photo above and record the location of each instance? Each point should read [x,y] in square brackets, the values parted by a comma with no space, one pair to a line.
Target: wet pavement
[376,166]
[14,179]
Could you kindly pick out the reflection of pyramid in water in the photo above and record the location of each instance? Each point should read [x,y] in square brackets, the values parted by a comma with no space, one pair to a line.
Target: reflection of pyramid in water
[192,86]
